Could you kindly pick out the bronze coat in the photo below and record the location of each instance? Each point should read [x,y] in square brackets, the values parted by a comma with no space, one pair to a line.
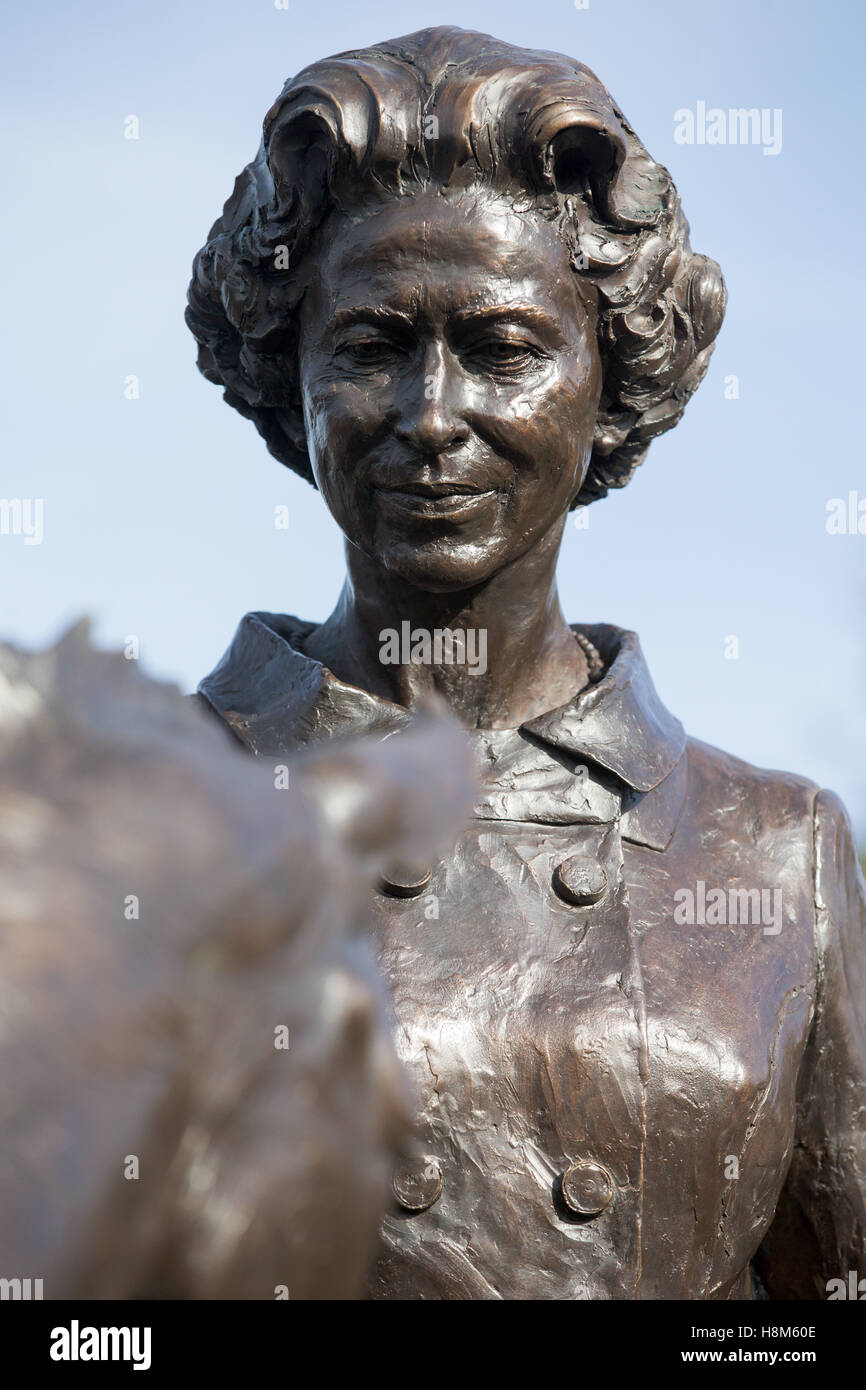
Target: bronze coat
[615,1102]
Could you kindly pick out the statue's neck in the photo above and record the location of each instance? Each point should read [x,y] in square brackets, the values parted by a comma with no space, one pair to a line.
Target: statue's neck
[516,658]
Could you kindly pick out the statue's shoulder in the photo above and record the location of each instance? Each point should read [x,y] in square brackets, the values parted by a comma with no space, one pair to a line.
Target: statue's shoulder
[767,817]
[719,778]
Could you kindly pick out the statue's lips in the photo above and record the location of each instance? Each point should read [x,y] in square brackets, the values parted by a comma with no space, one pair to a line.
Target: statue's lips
[434,500]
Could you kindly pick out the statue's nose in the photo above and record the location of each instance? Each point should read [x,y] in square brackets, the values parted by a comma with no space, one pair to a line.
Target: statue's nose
[431,412]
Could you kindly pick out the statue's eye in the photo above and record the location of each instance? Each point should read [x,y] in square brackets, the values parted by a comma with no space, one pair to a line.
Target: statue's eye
[368,352]
[503,353]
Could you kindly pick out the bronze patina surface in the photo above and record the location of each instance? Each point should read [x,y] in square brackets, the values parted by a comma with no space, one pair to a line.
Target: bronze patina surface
[455,292]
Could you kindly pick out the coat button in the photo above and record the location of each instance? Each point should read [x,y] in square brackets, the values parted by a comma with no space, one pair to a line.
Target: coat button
[586,1188]
[417,1185]
[405,880]
[580,881]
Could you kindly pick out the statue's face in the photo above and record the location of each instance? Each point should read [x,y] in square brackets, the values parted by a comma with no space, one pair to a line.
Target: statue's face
[450,380]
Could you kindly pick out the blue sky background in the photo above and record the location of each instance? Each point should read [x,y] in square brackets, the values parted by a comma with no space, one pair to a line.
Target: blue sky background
[159,512]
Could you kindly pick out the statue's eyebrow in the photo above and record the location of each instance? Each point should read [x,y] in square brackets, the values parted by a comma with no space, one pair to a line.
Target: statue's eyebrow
[528,314]
[370,313]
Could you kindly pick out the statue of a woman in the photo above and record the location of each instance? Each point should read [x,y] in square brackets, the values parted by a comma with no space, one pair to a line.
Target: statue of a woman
[455,293]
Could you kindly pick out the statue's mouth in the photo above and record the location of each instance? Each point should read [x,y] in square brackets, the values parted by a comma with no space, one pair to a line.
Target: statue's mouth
[442,487]
[434,500]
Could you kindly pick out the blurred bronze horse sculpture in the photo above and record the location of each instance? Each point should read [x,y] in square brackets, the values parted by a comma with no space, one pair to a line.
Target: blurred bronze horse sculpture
[194,1036]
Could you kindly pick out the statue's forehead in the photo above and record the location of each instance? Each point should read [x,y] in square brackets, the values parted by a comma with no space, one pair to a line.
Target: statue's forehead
[438,295]
[481,238]
[437,269]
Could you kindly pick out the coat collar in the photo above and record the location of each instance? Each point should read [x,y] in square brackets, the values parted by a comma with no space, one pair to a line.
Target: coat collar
[277,700]
[619,722]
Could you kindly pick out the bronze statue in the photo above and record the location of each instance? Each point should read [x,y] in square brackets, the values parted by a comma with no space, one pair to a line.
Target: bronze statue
[454,292]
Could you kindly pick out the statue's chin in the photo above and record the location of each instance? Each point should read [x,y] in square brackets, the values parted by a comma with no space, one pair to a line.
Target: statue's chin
[439,571]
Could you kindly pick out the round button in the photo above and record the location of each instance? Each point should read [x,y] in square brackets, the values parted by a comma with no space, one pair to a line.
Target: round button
[580,881]
[405,880]
[586,1188]
[418,1185]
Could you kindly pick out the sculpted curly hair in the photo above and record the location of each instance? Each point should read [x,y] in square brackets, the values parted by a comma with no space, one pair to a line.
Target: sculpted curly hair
[460,111]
